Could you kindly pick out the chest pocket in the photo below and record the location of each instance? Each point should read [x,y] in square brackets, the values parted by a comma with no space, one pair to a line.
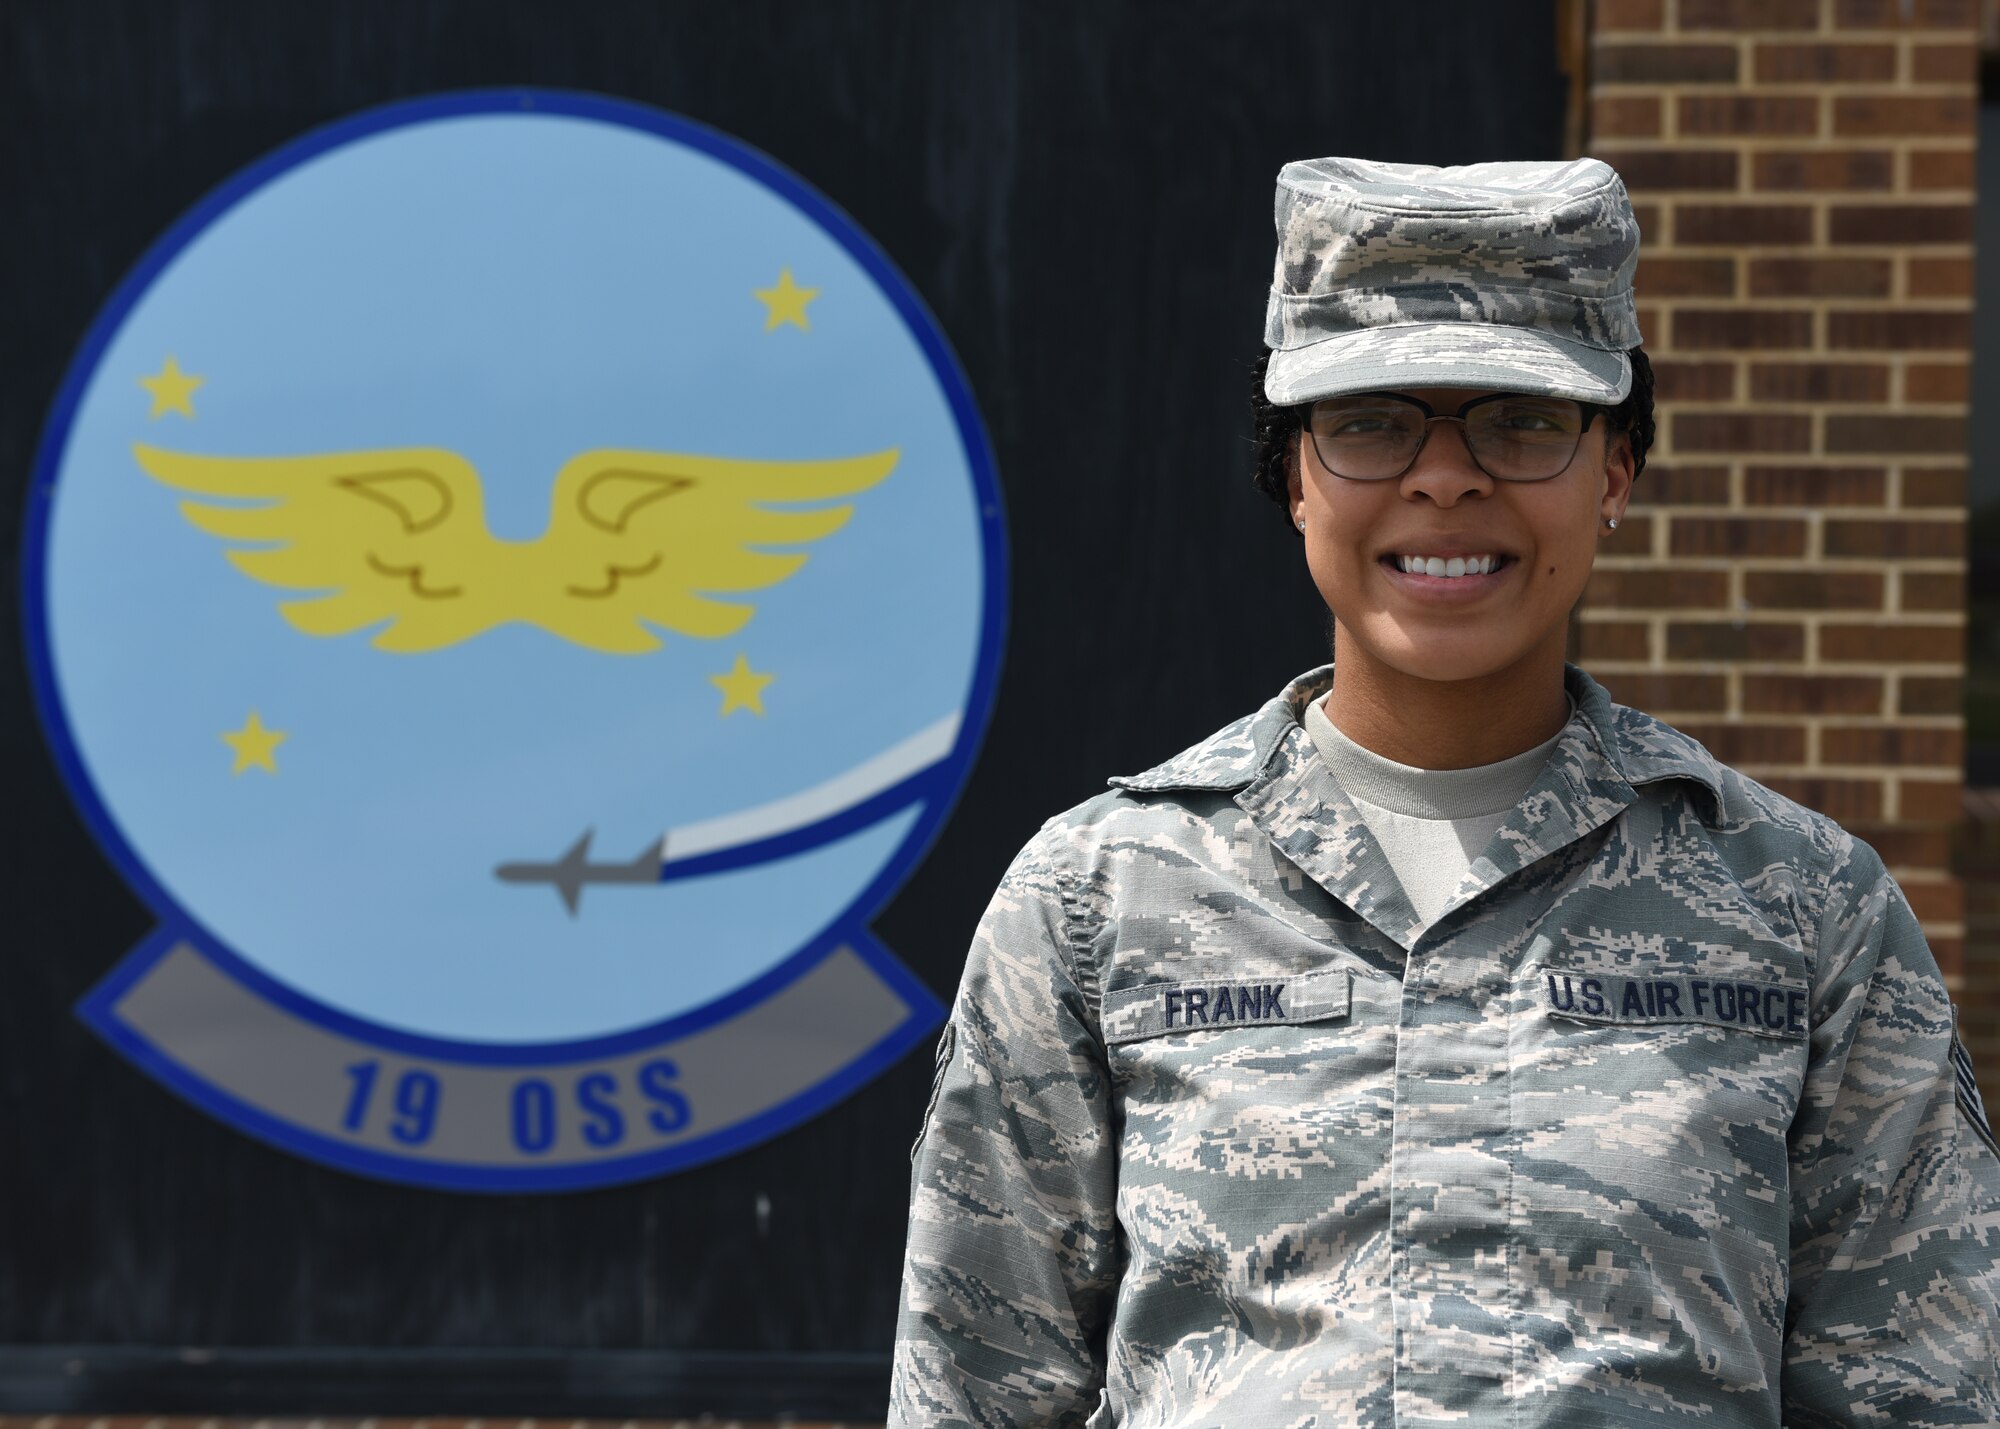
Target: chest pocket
[1659,1092]
[1221,1003]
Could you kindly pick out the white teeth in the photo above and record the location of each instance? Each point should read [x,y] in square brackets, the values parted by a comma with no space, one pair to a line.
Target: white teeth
[1447,567]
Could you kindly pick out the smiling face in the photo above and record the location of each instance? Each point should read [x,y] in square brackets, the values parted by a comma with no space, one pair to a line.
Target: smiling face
[1403,626]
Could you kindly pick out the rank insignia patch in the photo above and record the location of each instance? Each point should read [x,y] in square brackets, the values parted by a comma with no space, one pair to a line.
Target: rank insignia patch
[1966,1086]
[516,581]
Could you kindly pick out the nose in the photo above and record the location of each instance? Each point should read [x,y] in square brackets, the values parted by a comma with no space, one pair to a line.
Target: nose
[1444,469]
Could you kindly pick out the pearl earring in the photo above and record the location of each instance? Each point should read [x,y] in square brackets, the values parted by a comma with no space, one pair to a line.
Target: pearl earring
[1612,522]
[1302,523]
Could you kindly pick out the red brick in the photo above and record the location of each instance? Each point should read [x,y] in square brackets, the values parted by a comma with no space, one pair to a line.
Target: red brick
[1938,277]
[1930,487]
[1930,801]
[1737,536]
[1819,382]
[1904,114]
[1752,114]
[1882,432]
[1685,279]
[1742,223]
[1838,799]
[1933,590]
[1669,692]
[1735,742]
[1890,744]
[1654,169]
[1625,116]
[1657,589]
[1736,640]
[1935,900]
[1879,644]
[1900,223]
[1930,695]
[1825,64]
[1652,220]
[1663,64]
[1685,485]
[1820,277]
[1815,486]
[1937,382]
[1749,15]
[1903,15]
[1942,169]
[1945,64]
[1813,590]
[1741,329]
[1811,694]
[1692,382]
[1905,846]
[1896,540]
[1899,328]
[1628,15]
[1611,640]
[1777,170]
[1742,432]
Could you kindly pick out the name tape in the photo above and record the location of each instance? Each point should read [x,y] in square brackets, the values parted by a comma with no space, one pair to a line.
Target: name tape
[1216,1004]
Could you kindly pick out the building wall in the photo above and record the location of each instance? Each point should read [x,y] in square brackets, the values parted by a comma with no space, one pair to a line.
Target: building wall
[1789,585]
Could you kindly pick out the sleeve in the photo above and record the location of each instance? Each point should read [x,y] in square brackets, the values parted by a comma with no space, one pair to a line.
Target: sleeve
[1012,1258]
[1895,1186]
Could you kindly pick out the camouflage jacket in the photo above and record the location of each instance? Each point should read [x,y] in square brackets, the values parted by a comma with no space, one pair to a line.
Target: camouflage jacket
[1658,1123]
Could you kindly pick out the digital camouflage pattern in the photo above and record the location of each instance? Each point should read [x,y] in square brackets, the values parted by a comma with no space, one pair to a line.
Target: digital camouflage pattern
[1515,276]
[1656,1124]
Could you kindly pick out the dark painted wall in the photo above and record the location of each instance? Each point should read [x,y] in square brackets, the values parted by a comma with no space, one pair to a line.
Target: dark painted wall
[1082,195]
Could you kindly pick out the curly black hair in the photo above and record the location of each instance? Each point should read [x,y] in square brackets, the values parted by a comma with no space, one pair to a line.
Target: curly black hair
[1275,430]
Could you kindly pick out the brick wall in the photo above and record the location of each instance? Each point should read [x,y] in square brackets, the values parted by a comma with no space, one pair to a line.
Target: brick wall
[1789,586]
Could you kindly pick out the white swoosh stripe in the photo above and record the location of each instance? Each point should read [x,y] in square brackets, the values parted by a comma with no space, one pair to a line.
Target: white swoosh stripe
[795,811]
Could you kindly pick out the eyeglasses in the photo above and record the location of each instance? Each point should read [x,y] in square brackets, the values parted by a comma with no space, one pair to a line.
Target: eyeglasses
[1376,436]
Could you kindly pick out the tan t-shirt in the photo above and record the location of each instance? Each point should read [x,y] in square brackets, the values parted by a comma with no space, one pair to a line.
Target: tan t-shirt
[1431,823]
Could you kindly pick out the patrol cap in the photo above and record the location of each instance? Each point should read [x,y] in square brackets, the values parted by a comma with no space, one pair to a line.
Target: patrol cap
[1513,276]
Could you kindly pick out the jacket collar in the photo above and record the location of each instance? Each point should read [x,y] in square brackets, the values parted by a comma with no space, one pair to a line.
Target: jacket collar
[1631,747]
[1266,761]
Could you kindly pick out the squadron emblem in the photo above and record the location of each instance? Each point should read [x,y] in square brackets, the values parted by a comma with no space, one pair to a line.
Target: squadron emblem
[402,543]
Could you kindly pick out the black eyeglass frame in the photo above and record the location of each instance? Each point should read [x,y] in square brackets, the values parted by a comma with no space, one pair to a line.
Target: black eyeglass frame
[1591,412]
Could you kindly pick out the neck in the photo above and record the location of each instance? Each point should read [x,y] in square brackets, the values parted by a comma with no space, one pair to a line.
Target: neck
[1446,724]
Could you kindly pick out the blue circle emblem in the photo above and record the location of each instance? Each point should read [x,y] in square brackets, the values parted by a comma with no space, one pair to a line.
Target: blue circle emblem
[515,582]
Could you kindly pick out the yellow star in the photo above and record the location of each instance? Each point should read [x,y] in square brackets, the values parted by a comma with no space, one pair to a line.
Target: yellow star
[253,745]
[786,302]
[742,688]
[172,390]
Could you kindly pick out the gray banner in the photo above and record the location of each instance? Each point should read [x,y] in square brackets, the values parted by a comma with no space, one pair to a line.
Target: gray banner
[477,1114]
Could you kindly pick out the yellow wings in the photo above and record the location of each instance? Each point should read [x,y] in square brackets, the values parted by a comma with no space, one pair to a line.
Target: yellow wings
[398,538]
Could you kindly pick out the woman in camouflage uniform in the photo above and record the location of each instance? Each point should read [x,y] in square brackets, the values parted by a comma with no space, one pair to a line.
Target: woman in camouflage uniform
[1444,1043]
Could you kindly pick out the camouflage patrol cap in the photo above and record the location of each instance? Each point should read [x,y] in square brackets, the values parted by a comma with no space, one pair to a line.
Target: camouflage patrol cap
[1513,276]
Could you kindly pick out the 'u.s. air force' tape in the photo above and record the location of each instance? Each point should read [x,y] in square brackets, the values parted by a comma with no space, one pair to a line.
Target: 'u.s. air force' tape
[1767,1008]
[1218,1003]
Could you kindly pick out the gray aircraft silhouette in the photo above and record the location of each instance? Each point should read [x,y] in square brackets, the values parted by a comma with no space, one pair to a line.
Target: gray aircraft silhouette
[573,870]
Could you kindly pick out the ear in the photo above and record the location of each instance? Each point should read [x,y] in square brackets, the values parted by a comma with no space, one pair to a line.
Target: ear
[1294,487]
[1620,471]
